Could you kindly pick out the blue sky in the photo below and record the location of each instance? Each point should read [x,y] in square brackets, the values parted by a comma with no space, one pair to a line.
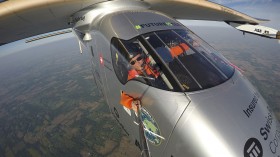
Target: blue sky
[263,9]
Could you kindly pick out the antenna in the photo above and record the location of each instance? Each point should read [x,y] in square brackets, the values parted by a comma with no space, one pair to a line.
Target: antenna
[87,37]
[80,46]
[143,140]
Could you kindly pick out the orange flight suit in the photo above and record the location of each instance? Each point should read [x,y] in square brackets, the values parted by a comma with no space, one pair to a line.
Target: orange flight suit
[127,100]
[179,49]
[148,70]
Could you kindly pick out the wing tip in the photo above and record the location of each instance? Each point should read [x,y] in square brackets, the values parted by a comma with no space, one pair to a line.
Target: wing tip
[262,20]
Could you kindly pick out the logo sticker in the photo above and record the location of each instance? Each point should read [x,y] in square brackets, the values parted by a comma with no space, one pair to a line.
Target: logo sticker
[249,111]
[156,24]
[253,148]
[151,128]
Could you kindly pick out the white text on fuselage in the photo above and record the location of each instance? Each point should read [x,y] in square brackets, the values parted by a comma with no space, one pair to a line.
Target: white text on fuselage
[156,24]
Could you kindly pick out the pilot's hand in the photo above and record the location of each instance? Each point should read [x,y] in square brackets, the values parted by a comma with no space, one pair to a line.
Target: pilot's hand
[195,43]
[135,104]
[151,61]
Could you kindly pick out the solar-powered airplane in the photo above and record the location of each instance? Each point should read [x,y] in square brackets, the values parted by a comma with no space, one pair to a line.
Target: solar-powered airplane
[171,92]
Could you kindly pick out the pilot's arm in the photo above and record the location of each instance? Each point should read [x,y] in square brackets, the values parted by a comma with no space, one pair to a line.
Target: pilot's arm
[132,74]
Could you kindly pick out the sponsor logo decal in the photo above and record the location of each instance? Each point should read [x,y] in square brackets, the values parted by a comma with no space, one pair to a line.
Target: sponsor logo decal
[151,128]
[253,148]
[156,24]
[258,30]
[250,109]
[275,142]
[268,134]
[264,131]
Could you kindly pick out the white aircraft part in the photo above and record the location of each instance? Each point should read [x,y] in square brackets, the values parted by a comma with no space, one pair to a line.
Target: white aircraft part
[87,37]
[257,29]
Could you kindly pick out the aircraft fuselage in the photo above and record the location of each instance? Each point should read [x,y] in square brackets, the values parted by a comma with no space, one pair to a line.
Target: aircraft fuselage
[194,102]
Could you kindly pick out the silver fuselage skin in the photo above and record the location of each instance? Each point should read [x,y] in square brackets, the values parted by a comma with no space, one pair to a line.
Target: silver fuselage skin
[228,120]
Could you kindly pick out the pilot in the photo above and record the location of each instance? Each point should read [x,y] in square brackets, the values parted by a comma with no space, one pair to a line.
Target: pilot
[141,66]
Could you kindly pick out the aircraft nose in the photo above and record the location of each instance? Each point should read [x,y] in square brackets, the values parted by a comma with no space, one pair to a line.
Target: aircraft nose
[232,120]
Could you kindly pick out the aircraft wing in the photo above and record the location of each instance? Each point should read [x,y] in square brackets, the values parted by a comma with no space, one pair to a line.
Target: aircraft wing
[21,18]
[205,10]
[25,18]
[200,10]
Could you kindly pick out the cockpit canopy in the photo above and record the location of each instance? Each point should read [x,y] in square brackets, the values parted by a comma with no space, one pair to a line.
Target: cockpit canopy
[175,60]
